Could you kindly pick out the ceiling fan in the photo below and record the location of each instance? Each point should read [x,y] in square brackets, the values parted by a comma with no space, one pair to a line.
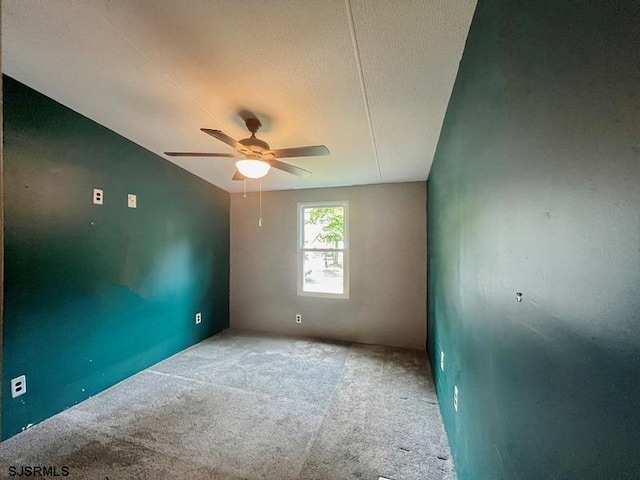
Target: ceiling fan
[255,156]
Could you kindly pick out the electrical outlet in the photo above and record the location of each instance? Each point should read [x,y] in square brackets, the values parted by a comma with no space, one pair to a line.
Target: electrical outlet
[132,201]
[455,398]
[98,196]
[441,360]
[198,317]
[18,386]
[298,318]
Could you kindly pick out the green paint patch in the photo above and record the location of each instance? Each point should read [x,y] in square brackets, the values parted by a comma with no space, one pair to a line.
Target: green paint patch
[96,293]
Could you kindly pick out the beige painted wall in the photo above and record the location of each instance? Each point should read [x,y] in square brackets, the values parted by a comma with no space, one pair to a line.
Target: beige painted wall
[387,229]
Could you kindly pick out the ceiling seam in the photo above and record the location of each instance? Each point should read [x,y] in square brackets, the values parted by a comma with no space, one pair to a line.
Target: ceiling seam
[155,66]
[363,88]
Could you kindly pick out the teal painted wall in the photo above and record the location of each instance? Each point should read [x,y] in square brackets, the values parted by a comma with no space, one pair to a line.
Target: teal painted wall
[535,188]
[94,294]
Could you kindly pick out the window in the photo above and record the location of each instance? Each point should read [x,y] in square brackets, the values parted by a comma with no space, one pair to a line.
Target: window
[323,257]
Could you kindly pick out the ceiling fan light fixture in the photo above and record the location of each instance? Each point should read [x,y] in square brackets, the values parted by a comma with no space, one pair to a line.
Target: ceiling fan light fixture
[253,168]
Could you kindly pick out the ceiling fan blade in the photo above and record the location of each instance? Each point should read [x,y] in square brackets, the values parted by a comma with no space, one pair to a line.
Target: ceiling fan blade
[202,154]
[301,172]
[311,151]
[238,176]
[223,137]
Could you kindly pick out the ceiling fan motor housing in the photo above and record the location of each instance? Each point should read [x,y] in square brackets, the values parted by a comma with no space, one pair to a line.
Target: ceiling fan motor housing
[255,144]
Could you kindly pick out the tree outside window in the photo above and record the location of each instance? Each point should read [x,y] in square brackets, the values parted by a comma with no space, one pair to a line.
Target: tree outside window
[323,250]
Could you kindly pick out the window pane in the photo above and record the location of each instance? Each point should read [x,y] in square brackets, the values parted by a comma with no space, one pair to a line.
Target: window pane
[323,272]
[324,227]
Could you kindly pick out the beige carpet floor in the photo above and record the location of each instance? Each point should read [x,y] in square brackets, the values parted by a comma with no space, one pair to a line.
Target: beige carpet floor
[245,405]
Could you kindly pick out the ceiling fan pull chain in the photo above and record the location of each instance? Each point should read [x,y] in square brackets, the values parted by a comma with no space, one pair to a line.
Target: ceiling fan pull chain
[245,187]
[260,188]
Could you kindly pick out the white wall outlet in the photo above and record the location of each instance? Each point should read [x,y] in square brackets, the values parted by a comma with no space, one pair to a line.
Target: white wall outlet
[198,317]
[455,398]
[18,386]
[441,360]
[132,201]
[298,318]
[98,196]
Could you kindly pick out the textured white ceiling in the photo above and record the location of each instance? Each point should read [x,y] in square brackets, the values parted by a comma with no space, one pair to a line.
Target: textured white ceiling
[370,79]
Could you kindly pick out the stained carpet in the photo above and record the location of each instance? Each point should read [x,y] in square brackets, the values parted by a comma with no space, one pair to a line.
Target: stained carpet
[245,405]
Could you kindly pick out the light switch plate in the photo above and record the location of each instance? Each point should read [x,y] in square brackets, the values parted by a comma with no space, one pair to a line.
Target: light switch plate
[132,201]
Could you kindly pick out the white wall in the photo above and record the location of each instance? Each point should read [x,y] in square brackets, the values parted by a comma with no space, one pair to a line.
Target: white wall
[387,229]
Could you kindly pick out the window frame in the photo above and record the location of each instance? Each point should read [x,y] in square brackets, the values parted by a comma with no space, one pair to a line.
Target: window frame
[301,250]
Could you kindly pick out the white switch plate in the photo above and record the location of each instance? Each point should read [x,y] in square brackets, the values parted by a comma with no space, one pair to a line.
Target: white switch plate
[132,200]
[98,196]
[198,317]
[18,386]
